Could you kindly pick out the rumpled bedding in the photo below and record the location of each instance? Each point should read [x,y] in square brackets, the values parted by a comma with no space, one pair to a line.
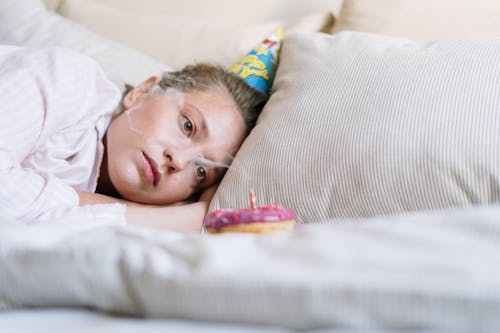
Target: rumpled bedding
[436,270]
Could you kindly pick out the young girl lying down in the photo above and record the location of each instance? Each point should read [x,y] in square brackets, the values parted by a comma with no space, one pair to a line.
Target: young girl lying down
[65,158]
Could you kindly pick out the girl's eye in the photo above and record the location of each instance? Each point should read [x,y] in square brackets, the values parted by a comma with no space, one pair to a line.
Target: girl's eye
[187,125]
[201,174]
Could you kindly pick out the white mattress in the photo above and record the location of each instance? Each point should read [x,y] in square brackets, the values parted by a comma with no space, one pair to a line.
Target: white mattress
[435,271]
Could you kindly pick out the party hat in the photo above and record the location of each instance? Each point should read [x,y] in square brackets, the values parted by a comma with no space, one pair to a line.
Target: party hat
[259,66]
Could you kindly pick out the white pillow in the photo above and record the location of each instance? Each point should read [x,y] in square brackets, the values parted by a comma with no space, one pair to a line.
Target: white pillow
[237,13]
[181,41]
[362,125]
[422,20]
[28,23]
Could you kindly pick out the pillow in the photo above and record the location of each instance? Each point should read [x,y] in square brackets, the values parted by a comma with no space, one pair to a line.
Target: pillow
[363,125]
[181,41]
[234,13]
[423,20]
[52,4]
[28,23]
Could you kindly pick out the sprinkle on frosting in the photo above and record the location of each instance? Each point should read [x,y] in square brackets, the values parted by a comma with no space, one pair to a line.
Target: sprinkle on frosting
[272,213]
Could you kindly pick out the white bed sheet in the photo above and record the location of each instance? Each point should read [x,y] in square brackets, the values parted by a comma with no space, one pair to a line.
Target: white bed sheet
[86,321]
[433,271]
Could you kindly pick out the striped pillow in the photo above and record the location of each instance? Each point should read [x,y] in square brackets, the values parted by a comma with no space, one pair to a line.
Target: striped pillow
[361,125]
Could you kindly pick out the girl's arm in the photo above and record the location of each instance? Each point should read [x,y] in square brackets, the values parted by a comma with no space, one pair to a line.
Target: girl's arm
[179,218]
[185,218]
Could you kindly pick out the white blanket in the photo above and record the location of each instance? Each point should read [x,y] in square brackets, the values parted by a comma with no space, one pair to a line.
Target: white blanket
[438,271]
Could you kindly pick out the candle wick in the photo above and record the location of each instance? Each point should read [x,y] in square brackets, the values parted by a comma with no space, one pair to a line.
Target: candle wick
[252,200]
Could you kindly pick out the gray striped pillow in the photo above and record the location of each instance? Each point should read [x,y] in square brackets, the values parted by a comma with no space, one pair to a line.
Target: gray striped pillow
[361,125]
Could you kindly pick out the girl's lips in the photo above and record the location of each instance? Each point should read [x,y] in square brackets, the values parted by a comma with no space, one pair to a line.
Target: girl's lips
[151,169]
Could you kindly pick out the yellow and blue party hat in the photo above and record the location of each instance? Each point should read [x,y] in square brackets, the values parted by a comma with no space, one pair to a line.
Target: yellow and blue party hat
[259,66]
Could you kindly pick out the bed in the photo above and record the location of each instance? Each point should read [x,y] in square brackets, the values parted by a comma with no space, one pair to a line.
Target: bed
[431,271]
[376,141]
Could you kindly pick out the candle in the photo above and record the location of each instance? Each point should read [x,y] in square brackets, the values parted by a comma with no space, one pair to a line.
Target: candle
[252,200]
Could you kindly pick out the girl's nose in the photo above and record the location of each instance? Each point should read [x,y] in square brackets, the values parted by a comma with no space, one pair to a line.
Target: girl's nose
[173,164]
[177,160]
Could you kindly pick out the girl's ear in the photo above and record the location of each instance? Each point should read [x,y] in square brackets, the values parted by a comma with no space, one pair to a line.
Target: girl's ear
[140,91]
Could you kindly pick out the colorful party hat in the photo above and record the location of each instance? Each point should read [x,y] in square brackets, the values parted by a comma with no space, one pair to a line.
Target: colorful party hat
[259,66]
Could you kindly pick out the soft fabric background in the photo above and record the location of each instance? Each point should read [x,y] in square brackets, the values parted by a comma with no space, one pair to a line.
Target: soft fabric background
[236,13]
[422,20]
[362,125]
[179,41]
[28,23]
[173,41]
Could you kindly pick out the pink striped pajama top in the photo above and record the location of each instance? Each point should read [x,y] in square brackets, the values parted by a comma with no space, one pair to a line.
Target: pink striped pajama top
[55,106]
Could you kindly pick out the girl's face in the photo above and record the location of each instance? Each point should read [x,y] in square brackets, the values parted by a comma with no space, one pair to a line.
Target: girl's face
[166,146]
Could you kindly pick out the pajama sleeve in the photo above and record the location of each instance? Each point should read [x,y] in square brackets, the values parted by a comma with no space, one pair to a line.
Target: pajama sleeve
[38,90]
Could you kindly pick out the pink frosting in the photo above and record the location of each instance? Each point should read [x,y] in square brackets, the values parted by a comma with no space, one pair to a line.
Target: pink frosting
[273,213]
